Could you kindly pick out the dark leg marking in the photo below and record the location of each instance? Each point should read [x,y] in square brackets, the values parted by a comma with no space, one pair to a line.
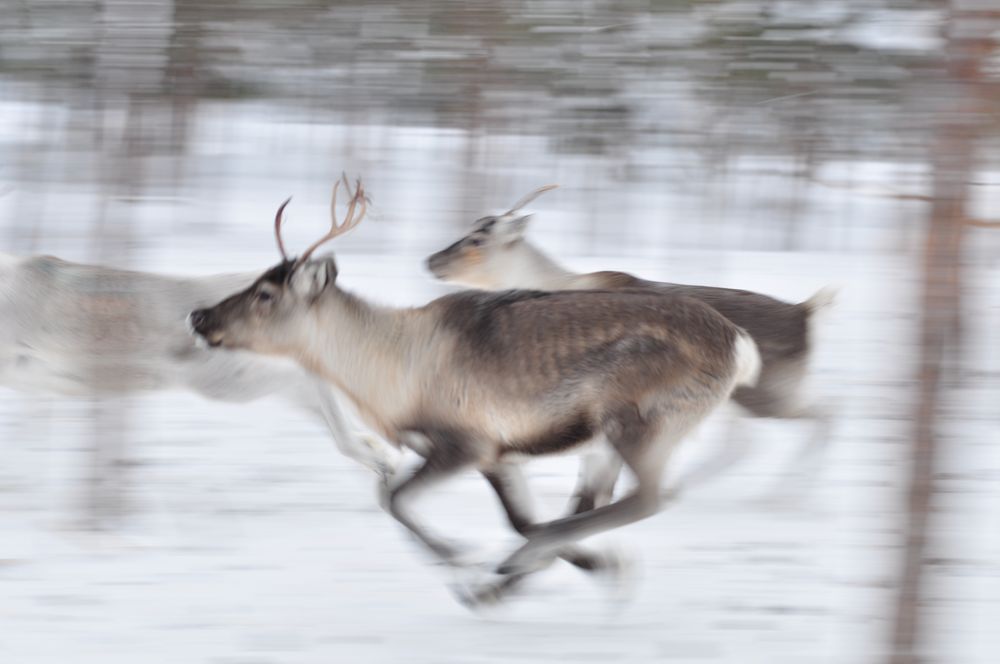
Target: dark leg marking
[509,485]
[446,456]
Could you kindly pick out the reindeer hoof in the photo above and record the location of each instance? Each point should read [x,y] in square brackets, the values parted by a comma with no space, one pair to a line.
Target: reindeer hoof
[385,473]
[525,560]
[672,494]
[479,596]
[619,576]
[512,567]
[475,588]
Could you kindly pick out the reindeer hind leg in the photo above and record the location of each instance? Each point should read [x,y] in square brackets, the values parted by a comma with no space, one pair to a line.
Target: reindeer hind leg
[644,446]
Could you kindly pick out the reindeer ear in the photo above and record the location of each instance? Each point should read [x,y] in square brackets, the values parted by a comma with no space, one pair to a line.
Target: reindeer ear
[511,227]
[310,278]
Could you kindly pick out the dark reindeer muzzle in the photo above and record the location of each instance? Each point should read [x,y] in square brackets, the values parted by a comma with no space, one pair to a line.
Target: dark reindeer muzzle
[202,324]
[438,263]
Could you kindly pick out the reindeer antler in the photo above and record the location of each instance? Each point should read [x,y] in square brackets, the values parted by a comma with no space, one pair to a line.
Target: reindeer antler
[277,228]
[350,221]
[530,197]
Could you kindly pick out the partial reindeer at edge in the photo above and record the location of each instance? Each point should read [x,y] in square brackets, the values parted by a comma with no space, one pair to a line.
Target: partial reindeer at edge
[87,330]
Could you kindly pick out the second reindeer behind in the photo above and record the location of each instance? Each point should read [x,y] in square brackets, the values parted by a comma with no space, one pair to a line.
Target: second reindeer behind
[495,255]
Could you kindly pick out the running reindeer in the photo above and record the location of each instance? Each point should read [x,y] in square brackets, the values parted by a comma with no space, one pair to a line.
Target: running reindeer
[484,380]
[87,330]
[495,255]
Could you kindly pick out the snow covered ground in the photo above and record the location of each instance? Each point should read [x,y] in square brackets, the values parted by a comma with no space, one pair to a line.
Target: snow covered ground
[254,542]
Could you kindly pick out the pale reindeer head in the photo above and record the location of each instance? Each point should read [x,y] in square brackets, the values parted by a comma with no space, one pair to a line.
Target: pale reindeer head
[261,317]
[489,253]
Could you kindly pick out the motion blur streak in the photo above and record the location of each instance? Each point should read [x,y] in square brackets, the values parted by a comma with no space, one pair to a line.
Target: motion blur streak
[770,146]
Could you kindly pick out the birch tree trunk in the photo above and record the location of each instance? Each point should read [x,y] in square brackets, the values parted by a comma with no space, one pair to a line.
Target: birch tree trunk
[957,128]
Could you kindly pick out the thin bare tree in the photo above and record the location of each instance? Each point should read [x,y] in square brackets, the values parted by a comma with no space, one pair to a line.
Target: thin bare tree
[958,126]
[127,89]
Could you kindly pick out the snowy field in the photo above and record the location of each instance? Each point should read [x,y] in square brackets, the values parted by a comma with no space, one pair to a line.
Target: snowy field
[252,541]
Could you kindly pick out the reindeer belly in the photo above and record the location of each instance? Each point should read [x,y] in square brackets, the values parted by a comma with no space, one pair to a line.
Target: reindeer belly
[31,373]
[561,436]
[32,369]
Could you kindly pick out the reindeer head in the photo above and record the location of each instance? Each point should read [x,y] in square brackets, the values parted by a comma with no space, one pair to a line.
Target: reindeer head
[487,254]
[262,317]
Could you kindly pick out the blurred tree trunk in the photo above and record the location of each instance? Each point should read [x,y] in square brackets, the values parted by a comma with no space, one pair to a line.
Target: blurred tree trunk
[957,128]
[182,79]
[130,72]
[477,77]
[113,241]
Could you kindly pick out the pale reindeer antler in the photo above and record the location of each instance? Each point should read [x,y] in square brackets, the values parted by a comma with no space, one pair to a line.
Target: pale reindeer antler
[336,228]
[349,222]
[277,229]
[530,197]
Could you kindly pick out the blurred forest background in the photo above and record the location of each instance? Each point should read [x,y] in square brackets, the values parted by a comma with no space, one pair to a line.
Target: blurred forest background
[165,132]
[749,125]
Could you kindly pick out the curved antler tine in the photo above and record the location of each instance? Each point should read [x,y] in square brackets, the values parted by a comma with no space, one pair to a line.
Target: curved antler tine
[364,198]
[333,205]
[530,197]
[364,209]
[359,196]
[277,228]
[348,222]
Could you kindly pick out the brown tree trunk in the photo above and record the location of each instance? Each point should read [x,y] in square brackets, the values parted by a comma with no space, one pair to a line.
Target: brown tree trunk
[941,307]
[954,161]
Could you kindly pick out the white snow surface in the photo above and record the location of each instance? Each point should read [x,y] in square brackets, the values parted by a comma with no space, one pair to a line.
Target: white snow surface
[251,541]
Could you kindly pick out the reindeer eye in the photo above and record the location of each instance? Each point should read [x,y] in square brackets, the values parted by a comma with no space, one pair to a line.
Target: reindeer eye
[476,241]
[264,296]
